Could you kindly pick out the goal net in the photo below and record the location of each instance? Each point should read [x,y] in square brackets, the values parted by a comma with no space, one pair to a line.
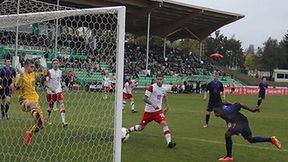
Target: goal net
[89,44]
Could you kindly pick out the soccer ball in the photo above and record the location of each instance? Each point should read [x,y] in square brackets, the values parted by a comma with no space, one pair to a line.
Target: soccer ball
[125,134]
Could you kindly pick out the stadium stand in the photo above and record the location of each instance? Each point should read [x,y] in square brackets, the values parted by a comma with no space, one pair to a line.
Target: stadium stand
[177,67]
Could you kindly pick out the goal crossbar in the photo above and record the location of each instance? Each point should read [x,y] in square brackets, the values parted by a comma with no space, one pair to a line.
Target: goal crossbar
[36,17]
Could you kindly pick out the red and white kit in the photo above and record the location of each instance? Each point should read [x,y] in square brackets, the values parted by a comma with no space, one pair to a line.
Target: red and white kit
[127,91]
[54,87]
[155,95]
[106,83]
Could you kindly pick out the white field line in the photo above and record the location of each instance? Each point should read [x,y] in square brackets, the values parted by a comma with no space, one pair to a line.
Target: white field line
[222,143]
[200,140]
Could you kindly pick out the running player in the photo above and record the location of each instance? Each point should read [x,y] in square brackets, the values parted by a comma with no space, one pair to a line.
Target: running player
[262,91]
[237,123]
[54,92]
[215,88]
[106,85]
[154,95]
[7,78]
[28,97]
[127,93]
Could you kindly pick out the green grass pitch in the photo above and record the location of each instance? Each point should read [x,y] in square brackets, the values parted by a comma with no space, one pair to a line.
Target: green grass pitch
[89,136]
[196,144]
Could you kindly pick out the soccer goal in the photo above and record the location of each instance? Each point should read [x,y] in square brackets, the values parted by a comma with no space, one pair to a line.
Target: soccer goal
[89,45]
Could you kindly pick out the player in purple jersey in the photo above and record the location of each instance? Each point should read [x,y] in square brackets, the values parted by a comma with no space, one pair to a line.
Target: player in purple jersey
[215,89]
[237,123]
[262,91]
[7,77]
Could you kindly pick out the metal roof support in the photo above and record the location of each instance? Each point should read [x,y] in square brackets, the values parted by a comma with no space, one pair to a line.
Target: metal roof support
[179,23]
[148,41]
[168,35]
[169,13]
[164,48]
[200,42]
[200,50]
[194,35]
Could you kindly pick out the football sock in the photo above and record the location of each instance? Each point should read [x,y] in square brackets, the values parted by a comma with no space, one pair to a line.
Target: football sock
[105,95]
[2,110]
[207,118]
[124,103]
[228,141]
[38,122]
[6,108]
[134,128]
[132,105]
[167,134]
[259,102]
[62,116]
[259,139]
[49,113]
[62,112]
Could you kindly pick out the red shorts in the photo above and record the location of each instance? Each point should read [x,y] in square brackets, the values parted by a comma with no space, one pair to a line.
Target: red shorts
[127,96]
[157,116]
[52,98]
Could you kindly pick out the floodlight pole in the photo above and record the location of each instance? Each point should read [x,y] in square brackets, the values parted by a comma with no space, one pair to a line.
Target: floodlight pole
[200,55]
[164,50]
[147,43]
[17,29]
[200,50]
[56,31]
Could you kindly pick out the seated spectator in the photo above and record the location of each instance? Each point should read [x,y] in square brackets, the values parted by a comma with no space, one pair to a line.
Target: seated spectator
[174,88]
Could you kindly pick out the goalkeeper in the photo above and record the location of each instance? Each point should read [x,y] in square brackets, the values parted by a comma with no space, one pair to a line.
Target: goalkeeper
[28,97]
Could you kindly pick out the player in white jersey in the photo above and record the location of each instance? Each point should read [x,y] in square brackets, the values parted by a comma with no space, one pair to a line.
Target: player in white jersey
[153,109]
[127,93]
[54,93]
[106,85]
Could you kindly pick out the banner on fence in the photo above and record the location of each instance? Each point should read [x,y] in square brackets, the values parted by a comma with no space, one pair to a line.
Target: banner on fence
[255,90]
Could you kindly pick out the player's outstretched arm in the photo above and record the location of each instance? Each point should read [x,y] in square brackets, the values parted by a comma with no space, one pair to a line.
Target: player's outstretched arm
[43,72]
[19,82]
[12,85]
[65,88]
[165,101]
[249,109]
[206,91]
[43,66]
[48,87]
[126,86]
[0,83]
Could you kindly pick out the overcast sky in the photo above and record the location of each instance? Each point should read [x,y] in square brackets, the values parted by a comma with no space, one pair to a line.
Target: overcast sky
[263,19]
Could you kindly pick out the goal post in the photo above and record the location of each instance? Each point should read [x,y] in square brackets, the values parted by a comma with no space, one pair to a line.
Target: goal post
[120,78]
[89,45]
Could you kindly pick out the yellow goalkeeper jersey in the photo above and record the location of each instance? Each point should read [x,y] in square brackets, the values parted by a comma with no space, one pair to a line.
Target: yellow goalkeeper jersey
[25,86]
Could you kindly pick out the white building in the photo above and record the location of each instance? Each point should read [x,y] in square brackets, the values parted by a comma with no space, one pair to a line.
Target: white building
[280,75]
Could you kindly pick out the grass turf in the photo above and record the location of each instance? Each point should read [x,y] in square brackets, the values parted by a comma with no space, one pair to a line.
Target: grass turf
[197,144]
[89,136]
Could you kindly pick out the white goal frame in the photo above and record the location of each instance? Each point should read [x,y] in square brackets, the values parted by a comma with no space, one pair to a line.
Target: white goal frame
[15,20]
